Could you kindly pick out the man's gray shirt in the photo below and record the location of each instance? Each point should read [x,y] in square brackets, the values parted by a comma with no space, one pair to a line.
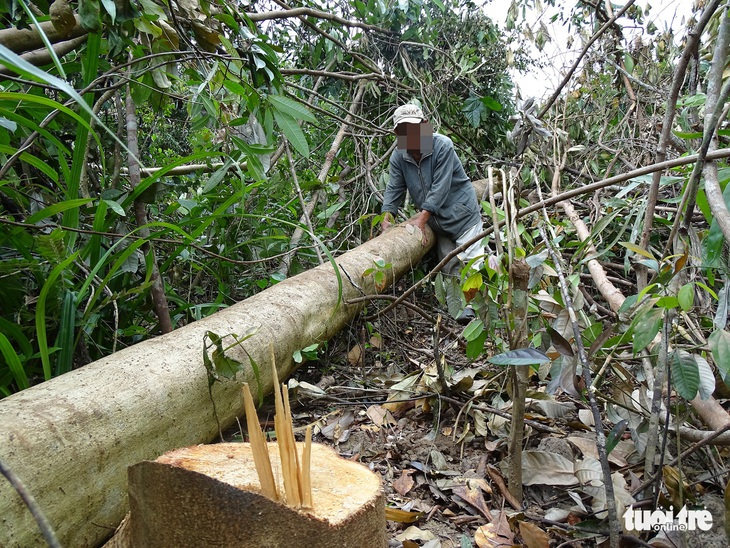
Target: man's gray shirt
[438,184]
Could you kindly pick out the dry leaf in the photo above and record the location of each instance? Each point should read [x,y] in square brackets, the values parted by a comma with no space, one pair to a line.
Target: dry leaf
[355,355]
[586,417]
[474,497]
[414,533]
[497,478]
[338,431]
[545,468]
[588,470]
[376,414]
[533,536]
[404,483]
[495,534]
[587,446]
[401,516]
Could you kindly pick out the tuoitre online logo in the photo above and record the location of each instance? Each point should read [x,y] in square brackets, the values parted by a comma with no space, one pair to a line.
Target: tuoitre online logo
[666,520]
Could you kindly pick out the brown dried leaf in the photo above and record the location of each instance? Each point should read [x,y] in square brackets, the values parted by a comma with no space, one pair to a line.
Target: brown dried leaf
[404,483]
[376,414]
[533,536]
[401,516]
[495,534]
[473,496]
[497,478]
[355,355]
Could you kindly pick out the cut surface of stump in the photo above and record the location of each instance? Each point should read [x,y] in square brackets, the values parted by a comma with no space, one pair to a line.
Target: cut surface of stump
[209,495]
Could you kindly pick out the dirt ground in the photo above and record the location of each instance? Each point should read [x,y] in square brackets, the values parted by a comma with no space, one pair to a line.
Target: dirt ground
[375,396]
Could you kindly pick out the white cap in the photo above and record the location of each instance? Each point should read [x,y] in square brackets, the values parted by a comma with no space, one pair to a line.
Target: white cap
[408,114]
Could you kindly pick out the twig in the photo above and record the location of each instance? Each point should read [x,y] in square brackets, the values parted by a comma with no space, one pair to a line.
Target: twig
[438,357]
[295,179]
[32,505]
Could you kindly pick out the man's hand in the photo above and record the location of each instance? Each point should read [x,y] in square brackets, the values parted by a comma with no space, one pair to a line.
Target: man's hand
[420,221]
[387,222]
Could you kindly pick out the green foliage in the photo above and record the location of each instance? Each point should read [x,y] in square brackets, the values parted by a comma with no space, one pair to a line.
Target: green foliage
[77,270]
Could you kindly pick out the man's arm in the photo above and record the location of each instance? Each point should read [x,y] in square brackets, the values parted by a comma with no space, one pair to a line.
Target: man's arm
[443,169]
[395,193]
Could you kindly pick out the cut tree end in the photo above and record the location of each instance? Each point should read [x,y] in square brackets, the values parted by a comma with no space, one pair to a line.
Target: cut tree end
[211,493]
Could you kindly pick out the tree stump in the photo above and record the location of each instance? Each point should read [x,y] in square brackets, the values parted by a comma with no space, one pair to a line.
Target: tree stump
[209,495]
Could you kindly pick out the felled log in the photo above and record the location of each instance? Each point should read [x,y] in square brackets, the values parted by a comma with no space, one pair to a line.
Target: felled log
[72,438]
[209,495]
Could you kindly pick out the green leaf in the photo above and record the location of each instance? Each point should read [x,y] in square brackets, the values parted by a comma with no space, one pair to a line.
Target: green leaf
[560,343]
[111,9]
[56,208]
[707,378]
[237,89]
[473,109]
[116,208]
[293,132]
[13,361]
[686,296]
[614,436]
[224,366]
[291,108]
[668,302]
[688,134]
[521,356]
[40,314]
[90,14]
[217,177]
[646,327]
[66,331]
[685,374]
[474,281]
[491,103]
[40,165]
[473,330]
[719,343]
[475,347]
[638,249]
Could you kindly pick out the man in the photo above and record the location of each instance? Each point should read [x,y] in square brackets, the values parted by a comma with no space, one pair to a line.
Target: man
[426,165]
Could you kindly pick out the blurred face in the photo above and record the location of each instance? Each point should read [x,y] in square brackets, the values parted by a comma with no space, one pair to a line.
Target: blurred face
[416,138]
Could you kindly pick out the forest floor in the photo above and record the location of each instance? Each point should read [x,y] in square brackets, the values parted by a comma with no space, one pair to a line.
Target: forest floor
[375,396]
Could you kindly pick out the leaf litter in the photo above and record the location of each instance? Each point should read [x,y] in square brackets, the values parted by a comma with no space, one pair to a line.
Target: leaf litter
[442,459]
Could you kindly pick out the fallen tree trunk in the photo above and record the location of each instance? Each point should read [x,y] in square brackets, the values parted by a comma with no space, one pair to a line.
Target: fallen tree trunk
[72,438]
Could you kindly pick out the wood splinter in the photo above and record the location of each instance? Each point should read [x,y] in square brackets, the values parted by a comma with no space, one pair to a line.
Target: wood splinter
[296,477]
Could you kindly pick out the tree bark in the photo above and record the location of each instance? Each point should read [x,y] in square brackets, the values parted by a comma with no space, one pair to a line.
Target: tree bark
[72,438]
[159,299]
[42,57]
[519,278]
[25,40]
